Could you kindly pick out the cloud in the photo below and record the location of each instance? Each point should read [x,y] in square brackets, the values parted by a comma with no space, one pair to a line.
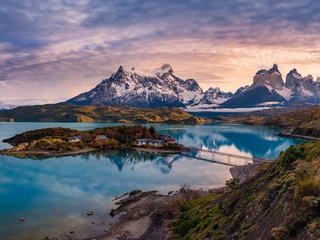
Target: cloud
[64,47]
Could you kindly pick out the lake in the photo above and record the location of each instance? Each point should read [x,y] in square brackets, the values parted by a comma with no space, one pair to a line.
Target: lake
[54,194]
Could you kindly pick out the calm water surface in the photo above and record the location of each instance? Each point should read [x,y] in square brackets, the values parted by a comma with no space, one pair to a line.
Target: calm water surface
[54,194]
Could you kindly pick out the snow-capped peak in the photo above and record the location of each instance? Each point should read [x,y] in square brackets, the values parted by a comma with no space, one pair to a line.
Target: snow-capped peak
[128,86]
[161,87]
[4,106]
[294,73]
[164,70]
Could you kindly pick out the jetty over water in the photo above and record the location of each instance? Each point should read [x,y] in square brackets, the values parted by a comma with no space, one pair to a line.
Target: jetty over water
[222,158]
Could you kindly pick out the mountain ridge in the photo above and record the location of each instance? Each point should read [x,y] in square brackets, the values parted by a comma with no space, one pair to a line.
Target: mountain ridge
[66,112]
[269,89]
[163,88]
[133,88]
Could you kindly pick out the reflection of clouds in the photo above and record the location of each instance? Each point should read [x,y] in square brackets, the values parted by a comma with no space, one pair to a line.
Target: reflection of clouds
[234,150]
[271,138]
[241,140]
[282,147]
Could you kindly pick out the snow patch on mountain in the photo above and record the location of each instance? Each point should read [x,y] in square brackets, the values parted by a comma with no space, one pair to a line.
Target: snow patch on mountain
[228,110]
[4,106]
[163,71]
[284,92]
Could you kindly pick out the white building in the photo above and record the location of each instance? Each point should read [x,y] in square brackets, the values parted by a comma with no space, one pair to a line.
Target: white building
[75,139]
[150,142]
[101,137]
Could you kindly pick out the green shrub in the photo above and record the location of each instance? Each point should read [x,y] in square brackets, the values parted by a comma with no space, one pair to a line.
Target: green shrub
[291,155]
[232,183]
[296,225]
[306,187]
[185,226]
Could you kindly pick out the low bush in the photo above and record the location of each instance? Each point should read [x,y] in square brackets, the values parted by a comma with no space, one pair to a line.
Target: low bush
[306,187]
[232,183]
[291,155]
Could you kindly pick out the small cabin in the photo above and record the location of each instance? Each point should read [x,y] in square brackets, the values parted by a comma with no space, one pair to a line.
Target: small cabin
[75,139]
[168,139]
[101,138]
[150,142]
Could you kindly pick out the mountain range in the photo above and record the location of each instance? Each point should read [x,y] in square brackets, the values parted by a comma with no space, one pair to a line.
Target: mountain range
[162,87]
[157,89]
[269,89]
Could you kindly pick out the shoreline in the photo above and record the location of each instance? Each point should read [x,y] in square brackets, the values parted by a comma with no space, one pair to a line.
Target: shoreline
[149,215]
[8,152]
[159,150]
[289,135]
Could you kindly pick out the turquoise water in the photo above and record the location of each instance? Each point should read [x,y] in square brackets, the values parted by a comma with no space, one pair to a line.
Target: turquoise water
[54,194]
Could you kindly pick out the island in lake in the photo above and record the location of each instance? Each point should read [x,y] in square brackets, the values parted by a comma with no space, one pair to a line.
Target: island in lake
[65,141]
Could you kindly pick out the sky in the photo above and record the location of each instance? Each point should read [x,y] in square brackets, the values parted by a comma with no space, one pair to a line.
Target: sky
[52,50]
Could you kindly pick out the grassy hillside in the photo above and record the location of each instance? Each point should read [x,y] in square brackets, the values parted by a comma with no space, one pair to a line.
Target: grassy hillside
[302,122]
[72,113]
[295,120]
[281,202]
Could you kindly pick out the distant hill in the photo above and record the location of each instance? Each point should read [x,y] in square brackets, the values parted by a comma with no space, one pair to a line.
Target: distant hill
[65,112]
[296,119]
[302,122]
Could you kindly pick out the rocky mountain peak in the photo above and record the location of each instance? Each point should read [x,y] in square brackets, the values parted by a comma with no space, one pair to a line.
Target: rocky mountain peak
[274,69]
[131,87]
[294,79]
[309,77]
[120,72]
[270,78]
[294,73]
[211,89]
[164,71]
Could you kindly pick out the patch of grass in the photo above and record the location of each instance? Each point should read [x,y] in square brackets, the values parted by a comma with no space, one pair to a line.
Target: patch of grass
[232,183]
[196,220]
[306,187]
[291,155]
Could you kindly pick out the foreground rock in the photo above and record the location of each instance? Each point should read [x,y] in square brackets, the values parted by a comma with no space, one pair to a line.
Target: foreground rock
[143,215]
[148,215]
[244,172]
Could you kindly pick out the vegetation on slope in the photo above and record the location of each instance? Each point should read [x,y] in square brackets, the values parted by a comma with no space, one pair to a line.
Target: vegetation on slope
[281,202]
[303,122]
[295,119]
[64,112]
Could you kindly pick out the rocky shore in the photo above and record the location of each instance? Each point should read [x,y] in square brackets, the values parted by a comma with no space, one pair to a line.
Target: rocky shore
[148,215]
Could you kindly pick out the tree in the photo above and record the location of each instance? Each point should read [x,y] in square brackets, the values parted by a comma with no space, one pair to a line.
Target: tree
[152,131]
